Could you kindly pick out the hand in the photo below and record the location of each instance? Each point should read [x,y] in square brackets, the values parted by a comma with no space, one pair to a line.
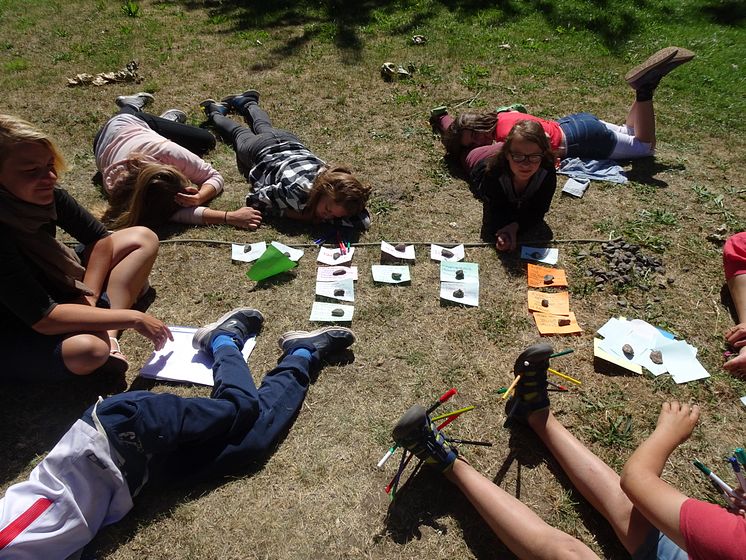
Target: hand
[245,217]
[506,237]
[736,336]
[191,197]
[676,421]
[153,329]
[737,503]
[737,365]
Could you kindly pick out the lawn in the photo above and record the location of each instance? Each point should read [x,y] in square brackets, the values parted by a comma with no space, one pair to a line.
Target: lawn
[316,64]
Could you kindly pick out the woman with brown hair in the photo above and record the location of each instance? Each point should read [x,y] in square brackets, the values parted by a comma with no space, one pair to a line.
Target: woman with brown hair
[152,173]
[61,310]
[287,178]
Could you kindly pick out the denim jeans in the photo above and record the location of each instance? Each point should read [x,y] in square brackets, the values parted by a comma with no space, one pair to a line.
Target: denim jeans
[587,137]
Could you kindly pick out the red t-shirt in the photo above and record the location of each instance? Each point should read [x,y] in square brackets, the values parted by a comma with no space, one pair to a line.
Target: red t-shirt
[711,532]
[506,120]
[734,255]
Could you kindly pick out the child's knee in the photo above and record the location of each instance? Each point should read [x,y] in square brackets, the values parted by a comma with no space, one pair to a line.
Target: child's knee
[84,353]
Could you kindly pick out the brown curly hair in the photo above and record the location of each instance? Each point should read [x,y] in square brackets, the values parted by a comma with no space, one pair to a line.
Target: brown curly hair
[342,187]
[476,122]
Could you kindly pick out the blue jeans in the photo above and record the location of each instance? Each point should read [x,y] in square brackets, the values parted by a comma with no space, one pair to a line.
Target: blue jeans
[587,137]
[658,546]
[208,436]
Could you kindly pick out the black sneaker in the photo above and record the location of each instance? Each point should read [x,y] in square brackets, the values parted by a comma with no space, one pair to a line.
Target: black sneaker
[417,433]
[137,101]
[326,340]
[210,107]
[240,100]
[239,324]
[531,392]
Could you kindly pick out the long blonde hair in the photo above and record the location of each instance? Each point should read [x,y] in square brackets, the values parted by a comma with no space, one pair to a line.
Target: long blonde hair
[17,131]
[342,187]
[143,195]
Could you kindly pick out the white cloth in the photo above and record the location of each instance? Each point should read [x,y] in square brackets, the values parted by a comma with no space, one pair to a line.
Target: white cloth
[86,489]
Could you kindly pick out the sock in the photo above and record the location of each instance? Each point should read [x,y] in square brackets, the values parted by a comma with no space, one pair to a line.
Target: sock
[222,340]
[302,352]
[645,92]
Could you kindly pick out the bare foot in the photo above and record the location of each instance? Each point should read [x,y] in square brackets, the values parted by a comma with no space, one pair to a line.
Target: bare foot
[737,365]
[736,336]
[675,423]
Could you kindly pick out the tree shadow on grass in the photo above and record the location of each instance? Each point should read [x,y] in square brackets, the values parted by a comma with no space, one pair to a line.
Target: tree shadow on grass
[726,12]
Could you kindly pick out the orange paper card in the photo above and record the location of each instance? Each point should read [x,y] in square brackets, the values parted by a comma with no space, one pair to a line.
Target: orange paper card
[556,304]
[550,324]
[539,276]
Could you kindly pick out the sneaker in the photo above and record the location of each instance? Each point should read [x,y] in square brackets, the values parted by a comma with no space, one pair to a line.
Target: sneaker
[136,101]
[210,107]
[325,341]
[531,392]
[239,100]
[417,433]
[176,115]
[240,324]
[658,65]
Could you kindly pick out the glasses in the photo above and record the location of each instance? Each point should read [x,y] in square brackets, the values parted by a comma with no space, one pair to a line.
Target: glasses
[531,158]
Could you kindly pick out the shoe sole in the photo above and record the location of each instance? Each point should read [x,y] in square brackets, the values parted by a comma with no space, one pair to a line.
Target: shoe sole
[202,331]
[148,97]
[181,116]
[669,55]
[248,93]
[295,335]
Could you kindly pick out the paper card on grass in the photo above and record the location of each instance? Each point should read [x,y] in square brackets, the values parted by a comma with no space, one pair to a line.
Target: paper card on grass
[248,252]
[545,277]
[466,293]
[743,401]
[540,254]
[576,187]
[611,326]
[682,363]
[391,274]
[557,303]
[332,273]
[452,254]
[343,290]
[459,272]
[604,361]
[272,262]
[550,324]
[334,256]
[293,254]
[178,361]
[406,252]
[331,312]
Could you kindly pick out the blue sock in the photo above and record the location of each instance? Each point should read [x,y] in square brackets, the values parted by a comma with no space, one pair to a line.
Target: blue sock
[222,340]
[302,352]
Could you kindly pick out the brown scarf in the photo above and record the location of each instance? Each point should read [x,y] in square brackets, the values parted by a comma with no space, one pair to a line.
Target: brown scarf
[60,263]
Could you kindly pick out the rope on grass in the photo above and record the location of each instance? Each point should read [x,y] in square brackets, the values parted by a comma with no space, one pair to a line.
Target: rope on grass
[378,243]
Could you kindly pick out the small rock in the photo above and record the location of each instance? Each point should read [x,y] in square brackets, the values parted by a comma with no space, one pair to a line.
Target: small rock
[670,279]
[396,275]
[458,293]
[685,269]
[459,274]
[545,303]
[656,357]
[536,255]
[339,292]
[563,322]
[628,351]
[401,247]
[338,272]
[446,253]
[286,254]
[419,40]
[622,303]
[338,312]
[548,278]
[336,255]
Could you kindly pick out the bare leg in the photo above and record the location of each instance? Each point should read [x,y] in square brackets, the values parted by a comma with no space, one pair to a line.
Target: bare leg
[522,531]
[85,353]
[641,118]
[593,478]
[736,336]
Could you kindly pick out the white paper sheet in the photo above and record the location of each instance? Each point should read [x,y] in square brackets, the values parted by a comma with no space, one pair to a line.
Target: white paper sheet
[293,254]
[323,312]
[335,256]
[406,254]
[436,253]
[385,273]
[178,361]
[327,273]
[743,401]
[540,254]
[682,363]
[238,252]
[470,291]
[328,289]
[449,272]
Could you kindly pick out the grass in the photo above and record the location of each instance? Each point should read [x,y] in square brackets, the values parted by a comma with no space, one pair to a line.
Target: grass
[317,64]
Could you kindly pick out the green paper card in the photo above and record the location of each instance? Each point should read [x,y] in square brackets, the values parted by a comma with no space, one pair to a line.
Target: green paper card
[272,262]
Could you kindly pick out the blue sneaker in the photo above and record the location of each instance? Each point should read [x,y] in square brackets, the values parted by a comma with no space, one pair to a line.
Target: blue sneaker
[417,433]
[240,324]
[211,107]
[325,341]
[239,100]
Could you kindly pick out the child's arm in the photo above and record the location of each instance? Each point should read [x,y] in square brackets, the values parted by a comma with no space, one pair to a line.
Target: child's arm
[657,500]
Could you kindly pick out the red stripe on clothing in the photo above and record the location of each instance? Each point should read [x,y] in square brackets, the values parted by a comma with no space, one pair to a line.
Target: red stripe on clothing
[17,526]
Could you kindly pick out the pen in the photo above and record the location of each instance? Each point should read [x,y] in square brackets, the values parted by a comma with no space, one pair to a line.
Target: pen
[387,456]
[564,376]
[458,412]
[443,398]
[739,475]
[741,456]
[727,490]
[562,353]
